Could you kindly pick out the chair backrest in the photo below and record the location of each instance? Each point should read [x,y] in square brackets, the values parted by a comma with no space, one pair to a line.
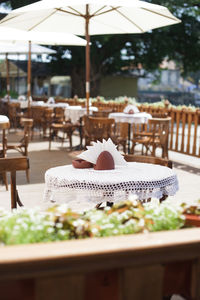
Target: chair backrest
[149,160]
[37,114]
[13,110]
[121,130]
[101,113]
[12,165]
[59,114]
[28,125]
[159,114]
[98,128]
[48,115]
[160,129]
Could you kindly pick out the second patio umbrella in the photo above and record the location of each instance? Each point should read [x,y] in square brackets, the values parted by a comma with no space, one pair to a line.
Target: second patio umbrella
[90,17]
[21,48]
[14,36]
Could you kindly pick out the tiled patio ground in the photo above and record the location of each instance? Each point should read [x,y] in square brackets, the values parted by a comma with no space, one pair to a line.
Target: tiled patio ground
[186,167]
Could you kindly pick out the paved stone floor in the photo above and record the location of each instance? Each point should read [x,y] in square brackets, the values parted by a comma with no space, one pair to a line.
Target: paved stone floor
[186,167]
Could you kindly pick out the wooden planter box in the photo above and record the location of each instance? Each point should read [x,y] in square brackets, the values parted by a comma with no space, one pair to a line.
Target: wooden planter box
[192,220]
[141,266]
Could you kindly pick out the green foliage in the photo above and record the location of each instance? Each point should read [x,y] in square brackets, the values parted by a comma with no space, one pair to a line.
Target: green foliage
[13,94]
[59,223]
[18,3]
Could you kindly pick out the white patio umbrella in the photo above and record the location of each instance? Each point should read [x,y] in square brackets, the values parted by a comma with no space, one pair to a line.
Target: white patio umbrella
[90,17]
[21,48]
[14,36]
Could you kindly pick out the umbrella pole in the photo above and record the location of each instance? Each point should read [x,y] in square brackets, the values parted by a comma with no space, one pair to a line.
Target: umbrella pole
[7,78]
[29,79]
[87,58]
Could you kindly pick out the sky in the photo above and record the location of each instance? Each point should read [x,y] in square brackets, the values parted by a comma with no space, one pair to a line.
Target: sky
[4,9]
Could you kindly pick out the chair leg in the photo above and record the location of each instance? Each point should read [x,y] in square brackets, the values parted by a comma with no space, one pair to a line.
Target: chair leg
[28,175]
[18,200]
[124,147]
[70,141]
[13,189]
[5,180]
[50,137]
[132,148]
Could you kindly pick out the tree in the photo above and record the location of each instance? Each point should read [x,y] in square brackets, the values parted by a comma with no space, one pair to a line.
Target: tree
[110,53]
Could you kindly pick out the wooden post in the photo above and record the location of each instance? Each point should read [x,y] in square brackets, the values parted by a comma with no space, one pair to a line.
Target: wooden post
[7,77]
[87,58]
[29,79]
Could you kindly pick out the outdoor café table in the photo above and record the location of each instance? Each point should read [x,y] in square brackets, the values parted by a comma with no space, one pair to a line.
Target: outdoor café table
[136,118]
[66,184]
[74,113]
[4,119]
[23,103]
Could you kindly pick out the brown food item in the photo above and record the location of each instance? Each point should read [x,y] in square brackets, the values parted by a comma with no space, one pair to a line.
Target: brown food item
[105,161]
[81,164]
[130,111]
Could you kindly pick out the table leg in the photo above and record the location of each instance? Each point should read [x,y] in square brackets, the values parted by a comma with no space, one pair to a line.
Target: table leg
[129,137]
[81,134]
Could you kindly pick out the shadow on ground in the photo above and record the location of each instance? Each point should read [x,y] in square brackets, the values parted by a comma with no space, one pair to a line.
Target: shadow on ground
[186,168]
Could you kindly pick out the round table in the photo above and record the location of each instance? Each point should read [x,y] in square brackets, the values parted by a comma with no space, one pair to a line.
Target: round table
[65,183]
[74,113]
[23,103]
[4,119]
[136,118]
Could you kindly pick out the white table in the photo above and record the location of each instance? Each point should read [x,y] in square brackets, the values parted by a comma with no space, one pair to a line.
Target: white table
[46,104]
[136,118]
[4,119]
[23,103]
[67,184]
[74,113]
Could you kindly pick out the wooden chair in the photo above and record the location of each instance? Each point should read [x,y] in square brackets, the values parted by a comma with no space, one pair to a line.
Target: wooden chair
[140,133]
[48,119]
[159,128]
[156,135]
[14,114]
[4,126]
[67,129]
[59,115]
[22,146]
[12,165]
[97,129]
[159,114]
[150,160]
[101,113]
[37,114]
[120,135]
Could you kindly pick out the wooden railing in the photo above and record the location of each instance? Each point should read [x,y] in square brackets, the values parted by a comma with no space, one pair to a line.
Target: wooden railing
[185,125]
[185,129]
[140,266]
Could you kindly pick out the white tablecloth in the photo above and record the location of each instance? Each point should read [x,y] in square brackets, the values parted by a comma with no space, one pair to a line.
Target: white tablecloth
[53,105]
[76,112]
[65,183]
[23,103]
[137,118]
[4,119]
